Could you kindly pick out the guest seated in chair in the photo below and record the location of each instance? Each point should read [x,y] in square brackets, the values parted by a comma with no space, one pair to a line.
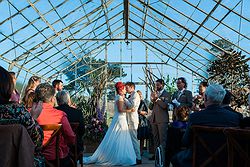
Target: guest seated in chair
[74,115]
[49,115]
[214,115]
[181,116]
[10,111]
[175,132]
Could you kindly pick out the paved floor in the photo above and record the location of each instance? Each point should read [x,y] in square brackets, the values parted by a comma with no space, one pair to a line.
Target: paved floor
[145,162]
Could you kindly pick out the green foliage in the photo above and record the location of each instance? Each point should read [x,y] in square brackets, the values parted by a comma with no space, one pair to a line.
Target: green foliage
[222,43]
[19,86]
[170,84]
[231,70]
[85,83]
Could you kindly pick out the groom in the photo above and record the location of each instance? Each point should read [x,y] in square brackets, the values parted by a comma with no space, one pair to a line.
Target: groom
[132,117]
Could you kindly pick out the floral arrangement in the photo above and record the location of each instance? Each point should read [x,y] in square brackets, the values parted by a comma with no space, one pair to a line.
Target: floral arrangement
[95,129]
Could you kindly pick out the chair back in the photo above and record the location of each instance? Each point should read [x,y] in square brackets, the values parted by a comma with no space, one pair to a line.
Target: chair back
[16,147]
[56,128]
[238,142]
[73,149]
[209,146]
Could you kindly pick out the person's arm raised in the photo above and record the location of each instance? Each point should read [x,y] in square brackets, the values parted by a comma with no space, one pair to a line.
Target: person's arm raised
[120,105]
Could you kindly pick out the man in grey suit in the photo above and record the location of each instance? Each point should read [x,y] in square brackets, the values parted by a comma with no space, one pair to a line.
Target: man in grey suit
[182,97]
[213,115]
[160,117]
[133,118]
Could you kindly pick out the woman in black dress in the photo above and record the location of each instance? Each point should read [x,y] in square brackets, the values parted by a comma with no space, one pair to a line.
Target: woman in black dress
[143,129]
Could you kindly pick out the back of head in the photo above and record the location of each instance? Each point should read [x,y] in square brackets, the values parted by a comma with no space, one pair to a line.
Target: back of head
[182,113]
[44,92]
[30,100]
[31,82]
[6,86]
[56,82]
[227,98]
[62,98]
[215,94]
[13,74]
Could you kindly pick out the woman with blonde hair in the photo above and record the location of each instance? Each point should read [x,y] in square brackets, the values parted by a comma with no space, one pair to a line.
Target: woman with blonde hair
[33,82]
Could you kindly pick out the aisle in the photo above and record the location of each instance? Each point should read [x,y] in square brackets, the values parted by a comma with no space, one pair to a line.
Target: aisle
[145,163]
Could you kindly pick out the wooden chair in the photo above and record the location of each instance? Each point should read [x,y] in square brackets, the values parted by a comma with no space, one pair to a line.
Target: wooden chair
[238,143]
[209,146]
[56,128]
[74,149]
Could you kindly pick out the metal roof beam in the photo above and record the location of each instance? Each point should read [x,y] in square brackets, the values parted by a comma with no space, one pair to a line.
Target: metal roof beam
[145,11]
[126,17]
[66,55]
[169,43]
[129,39]
[200,25]
[105,10]
[171,58]
[211,31]
[173,53]
[178,24]
[62,70]
[52,28]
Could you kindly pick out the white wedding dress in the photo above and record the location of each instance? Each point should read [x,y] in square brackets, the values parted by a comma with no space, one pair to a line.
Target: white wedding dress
[116,148]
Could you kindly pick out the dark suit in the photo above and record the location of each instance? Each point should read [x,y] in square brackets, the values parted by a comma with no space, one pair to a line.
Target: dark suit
[213,115]
[185,99]
[74,115]
[159,119]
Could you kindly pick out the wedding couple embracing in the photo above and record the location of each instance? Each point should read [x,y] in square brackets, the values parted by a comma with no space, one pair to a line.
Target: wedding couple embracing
[120,145]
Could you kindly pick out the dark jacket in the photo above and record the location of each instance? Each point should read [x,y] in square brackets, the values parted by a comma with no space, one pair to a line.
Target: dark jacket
[74,115]
[213,115]
[185,98]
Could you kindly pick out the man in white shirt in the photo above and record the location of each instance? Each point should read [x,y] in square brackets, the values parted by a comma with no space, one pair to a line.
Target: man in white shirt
[133,118]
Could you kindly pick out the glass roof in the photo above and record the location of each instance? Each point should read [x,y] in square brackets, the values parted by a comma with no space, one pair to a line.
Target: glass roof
[46,38]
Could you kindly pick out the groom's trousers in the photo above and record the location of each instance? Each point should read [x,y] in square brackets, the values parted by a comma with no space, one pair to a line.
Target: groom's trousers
[133,133]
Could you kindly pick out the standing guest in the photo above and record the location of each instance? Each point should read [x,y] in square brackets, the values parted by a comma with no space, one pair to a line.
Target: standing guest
[33,82]
[49,115]
[30,100]
[143,129]
[74,116]
[58,86]
[182,97]
[15,96]
[214,115]
[160,118]
[11,110]
[133,102]
[198,100]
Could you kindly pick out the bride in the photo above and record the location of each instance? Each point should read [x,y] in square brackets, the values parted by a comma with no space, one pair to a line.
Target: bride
[116,148]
